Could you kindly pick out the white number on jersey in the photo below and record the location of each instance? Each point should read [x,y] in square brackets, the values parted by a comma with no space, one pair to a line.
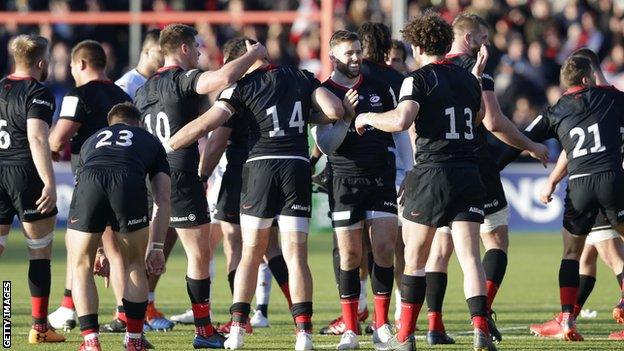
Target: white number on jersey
[5,138]
[296,120]
[578,150]
[450,112]
[125,138]
[163,131]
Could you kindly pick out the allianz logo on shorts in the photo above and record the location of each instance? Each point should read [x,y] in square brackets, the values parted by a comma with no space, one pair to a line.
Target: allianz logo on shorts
[300,208]
[137,221]
[191,218]
[476,210]
[30,212]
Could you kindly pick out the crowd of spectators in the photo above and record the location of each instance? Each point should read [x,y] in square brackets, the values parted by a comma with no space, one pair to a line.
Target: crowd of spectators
[529,38]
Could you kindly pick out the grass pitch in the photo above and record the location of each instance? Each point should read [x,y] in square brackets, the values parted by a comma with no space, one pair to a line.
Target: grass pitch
[529,294]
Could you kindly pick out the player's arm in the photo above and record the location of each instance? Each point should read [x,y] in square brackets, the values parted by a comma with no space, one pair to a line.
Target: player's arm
[328,104]
[214,149]
[539,131]
[218,114]
[396,120]
[62,133]
[222,78]
[161,192]
[37,131]
[315,155]
[403,144]
[557,174]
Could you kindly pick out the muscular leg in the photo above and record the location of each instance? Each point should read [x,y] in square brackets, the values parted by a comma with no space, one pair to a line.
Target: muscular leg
[436,277]
[587,276]
[349,242]
[382,233]
[399,266]
[569,270]
[496,243]
[4,236]
[232,247]
[117,269]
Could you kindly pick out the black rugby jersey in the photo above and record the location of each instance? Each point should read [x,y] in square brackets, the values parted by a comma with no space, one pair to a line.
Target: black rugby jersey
[168,101]
[487,83]
[364,155]
[122,147]
[21,98]
[88,105]
[277,100]
[450,98]
[384,73]
[237,147]
[588,122]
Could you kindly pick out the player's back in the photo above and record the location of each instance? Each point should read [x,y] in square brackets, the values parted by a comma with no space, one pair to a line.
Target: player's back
[20,99]
[450,100]
[88,105]
[588,122]
[168,102]
[279,100]
[122,148]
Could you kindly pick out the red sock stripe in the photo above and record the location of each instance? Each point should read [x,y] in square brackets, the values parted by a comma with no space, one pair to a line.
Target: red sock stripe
[435,321]
[480,322]
[205,330]
[122,316]
[134,325]
[409,313]
[350,313]
[88,331]
[201,310]
[491,289]
[39,307]
[382,306]
[68,302]
[568,295]
[286,290]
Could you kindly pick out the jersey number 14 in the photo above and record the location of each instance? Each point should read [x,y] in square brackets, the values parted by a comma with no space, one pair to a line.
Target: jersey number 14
[296,120]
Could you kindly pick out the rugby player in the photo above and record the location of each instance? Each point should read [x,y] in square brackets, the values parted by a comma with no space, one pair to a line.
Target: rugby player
[276,179]
[27,185]
[397,57]
[444,188]
[168,101]
[111,190]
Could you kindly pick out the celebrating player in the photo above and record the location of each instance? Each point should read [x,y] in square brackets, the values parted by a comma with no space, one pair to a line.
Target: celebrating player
[110,190]
[168,101]
[445,187]
[27,185]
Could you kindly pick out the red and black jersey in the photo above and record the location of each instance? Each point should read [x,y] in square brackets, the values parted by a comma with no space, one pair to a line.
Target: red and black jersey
[21,99]
[450,99]
[88,105]
[124,148]
[588,122]
[277,101]
[487,84]
[168,101]
[237,147]
[384,73]
[364,155]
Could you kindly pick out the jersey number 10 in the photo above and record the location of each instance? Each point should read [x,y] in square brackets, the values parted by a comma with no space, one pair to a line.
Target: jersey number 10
[296,120]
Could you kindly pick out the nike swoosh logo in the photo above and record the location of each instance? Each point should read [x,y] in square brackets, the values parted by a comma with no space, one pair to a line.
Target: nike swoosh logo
[415,214]
[247,206]
[73,220]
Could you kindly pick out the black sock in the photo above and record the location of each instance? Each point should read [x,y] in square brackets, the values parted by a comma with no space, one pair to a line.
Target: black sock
[67,293]
[120,308]
[198,290]
[382,279]
[279,269]
[436,290]
[89,321]
[231,277]
[264,309]
[39,278]
[413,289]
[134,310]
[349,284]
[495,265]
[586,285]
[302,313]
[477,305]
[336,263]
[240,312]
[568,282]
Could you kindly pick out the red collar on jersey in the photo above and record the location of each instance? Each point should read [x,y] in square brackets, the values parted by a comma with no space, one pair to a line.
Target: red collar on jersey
[166,68]
[575,89]
[357,85]
[269,67]
[14,77]
[450,56]
[444,61]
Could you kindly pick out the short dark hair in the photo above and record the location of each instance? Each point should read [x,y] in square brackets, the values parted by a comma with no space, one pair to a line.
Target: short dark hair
[174,35]
[429,32]
[152,36]
[574,69]
[341,36]
[468,22]
[92,52]
[398,45]
[124,112]
[28,49]
[235,48]
[590,55]
[376,40]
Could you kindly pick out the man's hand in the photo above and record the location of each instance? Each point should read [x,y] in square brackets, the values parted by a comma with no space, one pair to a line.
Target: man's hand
[539,152]
[101,266]
[482,57]
[155,262]
[257,49]
[361,121]
[47,201]
[349,102]
[546,192]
